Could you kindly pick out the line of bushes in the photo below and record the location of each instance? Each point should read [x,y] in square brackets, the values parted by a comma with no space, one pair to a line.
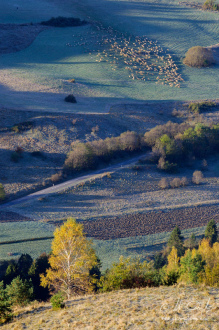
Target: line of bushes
[84,156]
[175,144]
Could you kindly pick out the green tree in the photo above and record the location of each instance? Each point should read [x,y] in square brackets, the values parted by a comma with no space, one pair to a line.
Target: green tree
[5,305]
[129,273]
[191,265]
[176,240]
[39,266]
[71,260]
[211,232]
[159,260]
[11,272]
[24,264]
[191,243]
[20,291]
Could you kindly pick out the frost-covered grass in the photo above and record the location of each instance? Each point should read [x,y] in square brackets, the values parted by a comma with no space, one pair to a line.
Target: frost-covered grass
[108,251]
[37,78]
[10,231]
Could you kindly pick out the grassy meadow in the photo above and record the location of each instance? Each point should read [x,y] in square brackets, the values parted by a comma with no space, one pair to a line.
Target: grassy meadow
[36,78]
[108,251]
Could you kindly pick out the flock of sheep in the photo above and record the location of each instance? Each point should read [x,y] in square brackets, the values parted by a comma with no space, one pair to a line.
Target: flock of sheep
[143,58]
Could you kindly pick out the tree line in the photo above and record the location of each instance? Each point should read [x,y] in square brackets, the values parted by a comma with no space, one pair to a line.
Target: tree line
[72,268]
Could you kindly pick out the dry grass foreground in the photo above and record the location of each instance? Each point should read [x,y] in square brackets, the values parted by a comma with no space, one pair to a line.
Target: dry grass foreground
[179,307]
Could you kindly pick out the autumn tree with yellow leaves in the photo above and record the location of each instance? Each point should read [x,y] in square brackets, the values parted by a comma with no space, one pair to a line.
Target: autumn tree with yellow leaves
[71,260]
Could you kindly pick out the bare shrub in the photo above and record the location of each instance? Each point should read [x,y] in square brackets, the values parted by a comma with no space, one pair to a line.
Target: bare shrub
[199,57]
[204,165]
[184,181]
[177,113]
[56,177]
[129,141]
[197,177]
[95,129]
[74,121]
[175,183]
[163,183]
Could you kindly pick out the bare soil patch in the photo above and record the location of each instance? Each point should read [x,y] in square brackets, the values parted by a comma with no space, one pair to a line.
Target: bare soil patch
[15,37]
[141,224]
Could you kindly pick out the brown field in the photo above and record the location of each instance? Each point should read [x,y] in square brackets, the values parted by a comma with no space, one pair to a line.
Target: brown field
[141,224]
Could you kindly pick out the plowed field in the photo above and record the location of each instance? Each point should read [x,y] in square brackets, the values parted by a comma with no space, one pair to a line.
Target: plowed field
[150,223]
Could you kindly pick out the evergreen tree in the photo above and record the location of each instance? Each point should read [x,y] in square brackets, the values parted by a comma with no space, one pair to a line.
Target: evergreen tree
[5,305]
[159,260]
[20,291]
[24,264]
[211,232]
[176,240]
[11,272]
[39,266]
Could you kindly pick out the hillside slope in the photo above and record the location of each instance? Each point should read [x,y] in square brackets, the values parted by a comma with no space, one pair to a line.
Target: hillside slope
[179,307]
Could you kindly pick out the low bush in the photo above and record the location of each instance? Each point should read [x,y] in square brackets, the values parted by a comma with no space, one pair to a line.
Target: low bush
[197,177]
[210,5]
[61,21]
[129,273]
[166,166]
[163,183]
[70,98]
[57,301]
[56,177]
[199,57]
[22,127]
[2,192]
[175,183]
[199,107]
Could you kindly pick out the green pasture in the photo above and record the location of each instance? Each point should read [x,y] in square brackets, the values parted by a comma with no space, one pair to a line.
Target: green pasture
[108,251]
[10,231]
[26,11]
[38,75]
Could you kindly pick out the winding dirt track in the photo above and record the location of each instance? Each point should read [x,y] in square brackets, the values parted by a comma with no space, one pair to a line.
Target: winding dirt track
[140,224]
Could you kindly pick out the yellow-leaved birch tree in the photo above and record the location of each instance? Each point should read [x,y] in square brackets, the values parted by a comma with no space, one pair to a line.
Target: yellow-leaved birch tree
[71,259]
